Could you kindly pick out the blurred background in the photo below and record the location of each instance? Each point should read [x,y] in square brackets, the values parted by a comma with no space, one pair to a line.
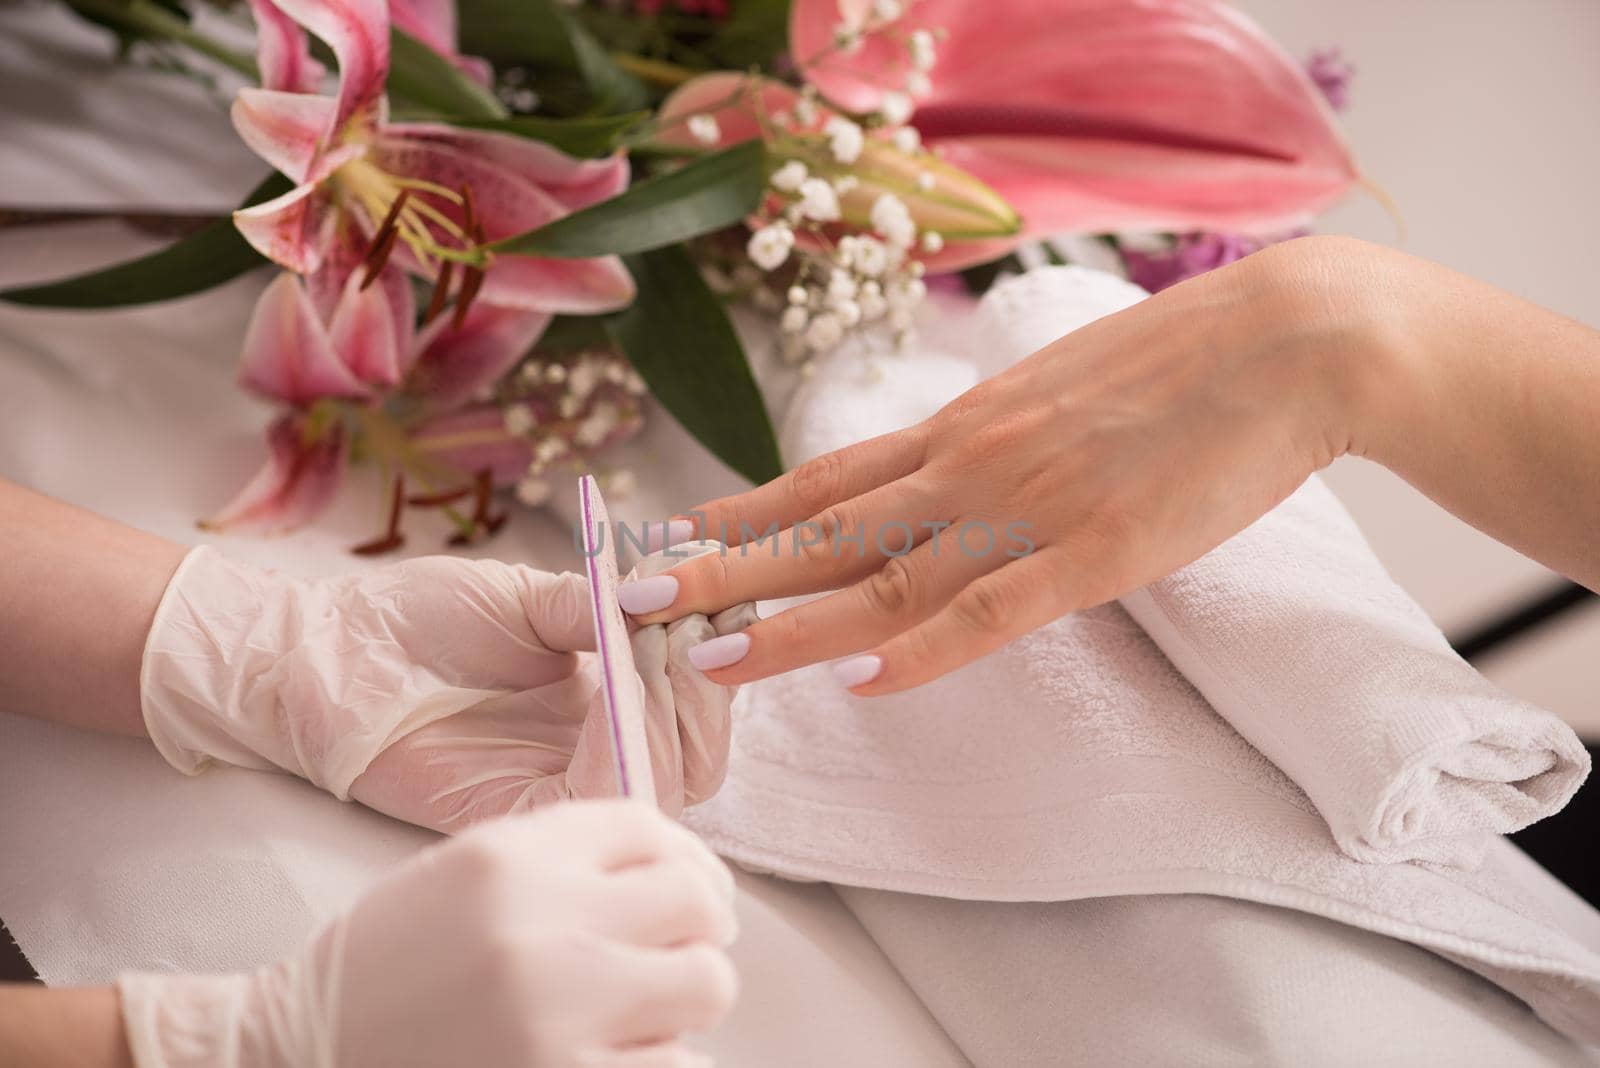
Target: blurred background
[1478,118]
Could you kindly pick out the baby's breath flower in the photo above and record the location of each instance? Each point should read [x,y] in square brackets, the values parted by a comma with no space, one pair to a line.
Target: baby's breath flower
[896,108]
[583,377]
[932,242]
[926,182]
[844,183]
[918,84]
[907,139]
[845,140]
[788,177]
[849,313]
[818,200]
[704,128]
[922,48]
[794,319]
[769,246]
[825,332]
[805,109]
[892,219]
[798,295]
[870,256]
[888,10]
[533,491]
[841,286]
[518,419]
[871,302]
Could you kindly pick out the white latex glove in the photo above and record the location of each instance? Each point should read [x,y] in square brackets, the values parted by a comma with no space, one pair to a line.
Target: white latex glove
[439,690]
[584,934]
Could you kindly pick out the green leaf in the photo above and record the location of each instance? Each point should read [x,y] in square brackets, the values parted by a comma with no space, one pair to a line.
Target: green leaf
[708,194]
[206,258]
[678,337]
[540,34]
[422,77]
[756,35]
[577,137]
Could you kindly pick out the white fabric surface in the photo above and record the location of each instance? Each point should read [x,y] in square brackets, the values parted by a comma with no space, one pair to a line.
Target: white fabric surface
[1076,762]
[1193,980]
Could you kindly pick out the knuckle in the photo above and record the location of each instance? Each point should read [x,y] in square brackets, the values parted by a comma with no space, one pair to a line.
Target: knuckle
[821,547]
[892,589]
[818,482]
[985,606]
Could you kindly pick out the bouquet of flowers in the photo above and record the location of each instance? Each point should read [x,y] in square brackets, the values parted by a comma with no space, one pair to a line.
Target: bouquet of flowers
[497,226]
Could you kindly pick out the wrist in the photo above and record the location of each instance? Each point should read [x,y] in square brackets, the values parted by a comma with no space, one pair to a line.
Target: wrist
[1338,314]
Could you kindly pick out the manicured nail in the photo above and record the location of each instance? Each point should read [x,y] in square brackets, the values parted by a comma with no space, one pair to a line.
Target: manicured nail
[647,595]
[857,670]
[720,652]
[658,536]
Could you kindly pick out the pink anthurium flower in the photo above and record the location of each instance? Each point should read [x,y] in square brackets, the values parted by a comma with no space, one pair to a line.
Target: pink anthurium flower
[1093,115]
[334,368]
[426,193]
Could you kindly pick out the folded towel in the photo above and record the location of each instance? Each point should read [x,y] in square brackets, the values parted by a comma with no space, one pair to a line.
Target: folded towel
[1077,762]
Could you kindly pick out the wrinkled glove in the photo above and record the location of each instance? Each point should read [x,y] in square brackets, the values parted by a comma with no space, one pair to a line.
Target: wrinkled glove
[586,934]
[439,690]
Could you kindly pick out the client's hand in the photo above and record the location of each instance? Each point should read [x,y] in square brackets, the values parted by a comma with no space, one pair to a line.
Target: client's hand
[585,934]
[439,690]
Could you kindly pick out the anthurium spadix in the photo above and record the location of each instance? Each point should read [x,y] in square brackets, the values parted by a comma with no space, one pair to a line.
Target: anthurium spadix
[434,193]
[961,208]
[1092,115]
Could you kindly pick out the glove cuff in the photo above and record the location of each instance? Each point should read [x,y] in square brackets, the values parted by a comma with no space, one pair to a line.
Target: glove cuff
[281,1016]
[187,675]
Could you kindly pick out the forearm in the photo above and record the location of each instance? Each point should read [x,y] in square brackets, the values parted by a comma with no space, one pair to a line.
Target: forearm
[77,594]
[1485,402]
[70,1028]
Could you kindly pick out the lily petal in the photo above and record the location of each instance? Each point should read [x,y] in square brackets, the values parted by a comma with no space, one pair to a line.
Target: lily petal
[474,439]
[508,204]
[433,22]
[358,33]
[285,129]
[1102,114]
[288,354]
[574,183]
[292,230]
[456,364]
[364,329]
[282,55]
[296,484]
[731,99]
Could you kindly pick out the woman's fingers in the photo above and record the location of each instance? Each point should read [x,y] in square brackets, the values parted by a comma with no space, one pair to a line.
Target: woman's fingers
[904,591]
[843,542]
[1004,604]
[813,487]
[689,988]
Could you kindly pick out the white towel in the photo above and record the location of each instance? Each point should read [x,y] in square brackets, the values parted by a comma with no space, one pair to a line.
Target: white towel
[1077,762]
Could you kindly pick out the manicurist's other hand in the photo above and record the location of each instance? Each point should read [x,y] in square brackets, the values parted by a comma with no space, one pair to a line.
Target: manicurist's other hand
[1130,447]
[589,933]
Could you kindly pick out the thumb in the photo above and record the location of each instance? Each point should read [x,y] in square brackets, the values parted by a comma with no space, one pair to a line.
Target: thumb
[559,608]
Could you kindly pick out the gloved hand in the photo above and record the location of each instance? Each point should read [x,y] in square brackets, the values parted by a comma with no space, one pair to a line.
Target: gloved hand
[584,934]
[438,690]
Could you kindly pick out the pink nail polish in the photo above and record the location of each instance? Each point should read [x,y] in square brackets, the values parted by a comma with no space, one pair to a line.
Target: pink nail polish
[719,652]
[857,670]
[658,536]
[647,595]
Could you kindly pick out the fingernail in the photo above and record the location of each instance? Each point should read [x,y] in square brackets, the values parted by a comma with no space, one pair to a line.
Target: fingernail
[857,670]
[720,652]
[647,595]
[658,536]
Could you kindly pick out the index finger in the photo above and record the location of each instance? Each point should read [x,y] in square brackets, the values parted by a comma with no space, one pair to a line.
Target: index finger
[811,488]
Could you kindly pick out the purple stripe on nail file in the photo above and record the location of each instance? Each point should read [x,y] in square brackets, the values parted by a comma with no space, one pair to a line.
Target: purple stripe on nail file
[618,682]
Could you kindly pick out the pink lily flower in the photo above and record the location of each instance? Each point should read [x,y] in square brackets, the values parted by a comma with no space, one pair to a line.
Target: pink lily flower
[361,351]
[433,22]
[428,192]
[1098,115]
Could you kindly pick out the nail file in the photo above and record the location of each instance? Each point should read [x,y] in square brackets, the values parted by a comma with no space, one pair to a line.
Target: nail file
[619,682]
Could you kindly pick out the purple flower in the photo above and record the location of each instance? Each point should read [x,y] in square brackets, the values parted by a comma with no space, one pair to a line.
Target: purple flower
[1332,73]
[1193,254]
